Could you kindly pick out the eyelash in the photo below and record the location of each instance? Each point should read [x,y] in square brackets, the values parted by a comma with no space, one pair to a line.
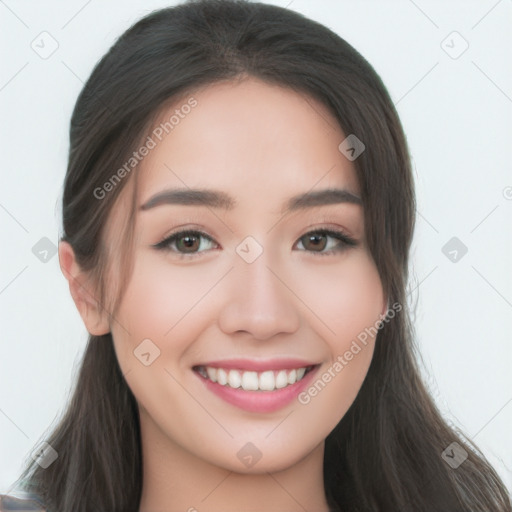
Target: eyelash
[345,240]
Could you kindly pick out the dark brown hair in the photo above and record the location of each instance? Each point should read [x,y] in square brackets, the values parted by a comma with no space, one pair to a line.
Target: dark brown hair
[385,453]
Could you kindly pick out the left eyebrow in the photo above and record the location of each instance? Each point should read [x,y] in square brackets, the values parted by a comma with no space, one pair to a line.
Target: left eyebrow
[218,199]
[321,198]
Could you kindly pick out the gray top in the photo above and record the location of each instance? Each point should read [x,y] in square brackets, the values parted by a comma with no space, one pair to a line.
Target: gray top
[21,500]
[30,503]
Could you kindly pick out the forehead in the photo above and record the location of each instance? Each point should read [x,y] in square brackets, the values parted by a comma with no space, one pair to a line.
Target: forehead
[259,142]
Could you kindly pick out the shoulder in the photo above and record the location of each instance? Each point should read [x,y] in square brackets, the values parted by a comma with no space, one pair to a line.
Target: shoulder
[11,504]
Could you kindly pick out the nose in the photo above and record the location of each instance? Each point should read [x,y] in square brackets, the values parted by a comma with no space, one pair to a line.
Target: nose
[259,301]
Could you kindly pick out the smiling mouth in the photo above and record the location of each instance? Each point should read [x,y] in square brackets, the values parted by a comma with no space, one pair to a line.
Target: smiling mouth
[268,380]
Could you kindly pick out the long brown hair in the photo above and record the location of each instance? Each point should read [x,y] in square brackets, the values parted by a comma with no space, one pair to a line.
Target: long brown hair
[385,453]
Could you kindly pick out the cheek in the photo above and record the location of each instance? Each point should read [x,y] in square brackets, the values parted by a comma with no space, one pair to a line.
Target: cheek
[161,297]
[349,299]
[160,304]
[346,298]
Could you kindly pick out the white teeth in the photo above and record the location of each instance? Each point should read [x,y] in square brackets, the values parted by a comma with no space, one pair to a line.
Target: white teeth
[252,381]
[234,379]
[267,381]
[281,379]
[222,377]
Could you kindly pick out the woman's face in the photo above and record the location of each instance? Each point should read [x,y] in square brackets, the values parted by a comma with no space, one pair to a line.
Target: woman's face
[258,299]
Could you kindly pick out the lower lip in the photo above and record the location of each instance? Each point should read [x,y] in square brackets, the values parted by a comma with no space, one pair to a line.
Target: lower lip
[259,401]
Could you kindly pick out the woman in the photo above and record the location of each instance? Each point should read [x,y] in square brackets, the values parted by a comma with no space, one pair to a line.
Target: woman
[270,366]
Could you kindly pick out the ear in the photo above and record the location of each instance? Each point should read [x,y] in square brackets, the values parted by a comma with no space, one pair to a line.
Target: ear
[94,316]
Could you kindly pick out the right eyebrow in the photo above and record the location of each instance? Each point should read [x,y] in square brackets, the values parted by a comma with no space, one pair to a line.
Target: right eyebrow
[187,196]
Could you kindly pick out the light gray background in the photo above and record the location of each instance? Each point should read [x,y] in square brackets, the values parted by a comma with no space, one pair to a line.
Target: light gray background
[457,114]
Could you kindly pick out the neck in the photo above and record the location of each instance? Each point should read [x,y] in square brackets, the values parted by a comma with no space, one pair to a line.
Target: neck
[175,480]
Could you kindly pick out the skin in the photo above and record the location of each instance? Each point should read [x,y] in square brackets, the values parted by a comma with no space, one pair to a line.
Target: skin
[261,144]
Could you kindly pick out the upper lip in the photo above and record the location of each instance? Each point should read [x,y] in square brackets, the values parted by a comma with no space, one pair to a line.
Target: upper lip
[259,365]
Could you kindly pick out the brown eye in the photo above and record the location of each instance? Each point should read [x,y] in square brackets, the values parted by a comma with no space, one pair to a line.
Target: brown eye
[314,241]
[187,242]
[317,241]
[190,243]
